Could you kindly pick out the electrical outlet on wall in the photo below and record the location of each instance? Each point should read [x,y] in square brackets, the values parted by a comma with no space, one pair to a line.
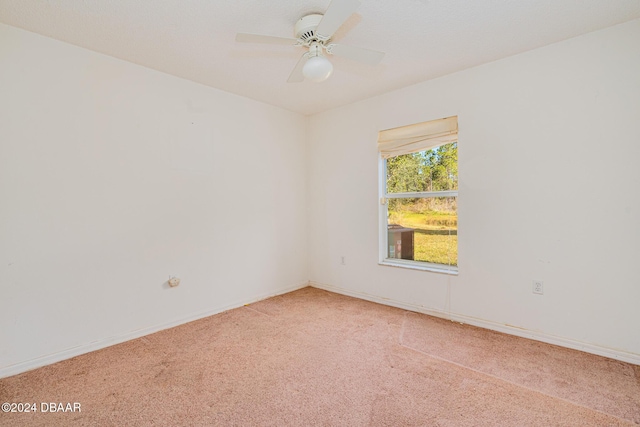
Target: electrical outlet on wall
[343,260]
[538,287]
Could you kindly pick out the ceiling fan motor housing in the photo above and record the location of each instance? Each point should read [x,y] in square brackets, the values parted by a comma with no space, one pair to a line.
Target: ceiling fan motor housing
[305,28]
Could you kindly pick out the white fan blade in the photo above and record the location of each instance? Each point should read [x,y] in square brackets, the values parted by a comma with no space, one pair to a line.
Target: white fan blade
[296,75]
[371,57]
[334,17]
[257,38]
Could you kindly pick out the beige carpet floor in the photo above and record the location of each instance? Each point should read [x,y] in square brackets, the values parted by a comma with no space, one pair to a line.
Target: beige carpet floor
[312,357]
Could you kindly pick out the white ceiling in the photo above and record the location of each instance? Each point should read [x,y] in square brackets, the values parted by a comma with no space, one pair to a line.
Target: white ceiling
[423,39]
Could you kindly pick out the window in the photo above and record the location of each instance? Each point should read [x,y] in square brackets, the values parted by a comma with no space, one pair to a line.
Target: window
[419,195]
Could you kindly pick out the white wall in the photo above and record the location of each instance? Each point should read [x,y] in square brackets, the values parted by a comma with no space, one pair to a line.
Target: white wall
[549,145]
[112,178]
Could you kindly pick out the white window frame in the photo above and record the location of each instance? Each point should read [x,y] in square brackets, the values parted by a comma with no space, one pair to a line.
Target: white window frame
[384,235]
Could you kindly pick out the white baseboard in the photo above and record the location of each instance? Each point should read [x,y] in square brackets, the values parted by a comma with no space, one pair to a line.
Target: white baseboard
[38,362]
[538,336]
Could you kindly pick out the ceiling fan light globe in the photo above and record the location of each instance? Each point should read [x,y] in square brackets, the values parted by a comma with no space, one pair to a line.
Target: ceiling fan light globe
[317,69]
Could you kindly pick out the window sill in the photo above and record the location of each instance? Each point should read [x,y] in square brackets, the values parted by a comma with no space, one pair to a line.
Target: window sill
[453,271]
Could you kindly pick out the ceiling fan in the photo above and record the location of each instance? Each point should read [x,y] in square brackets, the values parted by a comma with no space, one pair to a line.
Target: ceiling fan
[314,32]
